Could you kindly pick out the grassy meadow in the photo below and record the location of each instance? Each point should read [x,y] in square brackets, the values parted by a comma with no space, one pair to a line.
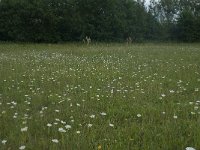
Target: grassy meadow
[99,96]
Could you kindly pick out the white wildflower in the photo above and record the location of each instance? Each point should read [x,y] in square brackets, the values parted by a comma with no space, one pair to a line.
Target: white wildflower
[111,125]
[163,95]
[61,130]
[63,122]
[24,129]
[54,140]
[57,119]
[49,125]
[57,110]
[3,112]
[68,127]
[112,91]
[89,125]
[190,103]
[22,147]
[190,148]
[78,132]
[103,113]
[196,108]
[4,142]
[92,116]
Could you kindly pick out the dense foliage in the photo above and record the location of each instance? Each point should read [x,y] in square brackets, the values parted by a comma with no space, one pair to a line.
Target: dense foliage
[110,20]
[180,19]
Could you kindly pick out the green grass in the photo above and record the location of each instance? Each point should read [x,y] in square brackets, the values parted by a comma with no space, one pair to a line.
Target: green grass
[72,84]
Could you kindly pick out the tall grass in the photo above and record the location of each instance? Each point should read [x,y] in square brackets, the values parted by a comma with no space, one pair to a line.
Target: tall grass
[103,96]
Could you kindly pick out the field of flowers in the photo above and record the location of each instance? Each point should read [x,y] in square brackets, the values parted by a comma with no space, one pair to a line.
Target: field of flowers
[103,96]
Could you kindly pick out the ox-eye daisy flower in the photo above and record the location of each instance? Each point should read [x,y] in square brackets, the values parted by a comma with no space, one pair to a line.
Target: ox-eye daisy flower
[92,116]
[24,129]
[190,148]
[103,113]
[22,147]
[4,142]
[68,127]
[55,140]
[89,125]
[78,132]
[61,130]
[49,125]
[111,125]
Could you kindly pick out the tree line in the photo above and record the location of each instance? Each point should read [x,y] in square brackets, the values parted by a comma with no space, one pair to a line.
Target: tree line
[107,20]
